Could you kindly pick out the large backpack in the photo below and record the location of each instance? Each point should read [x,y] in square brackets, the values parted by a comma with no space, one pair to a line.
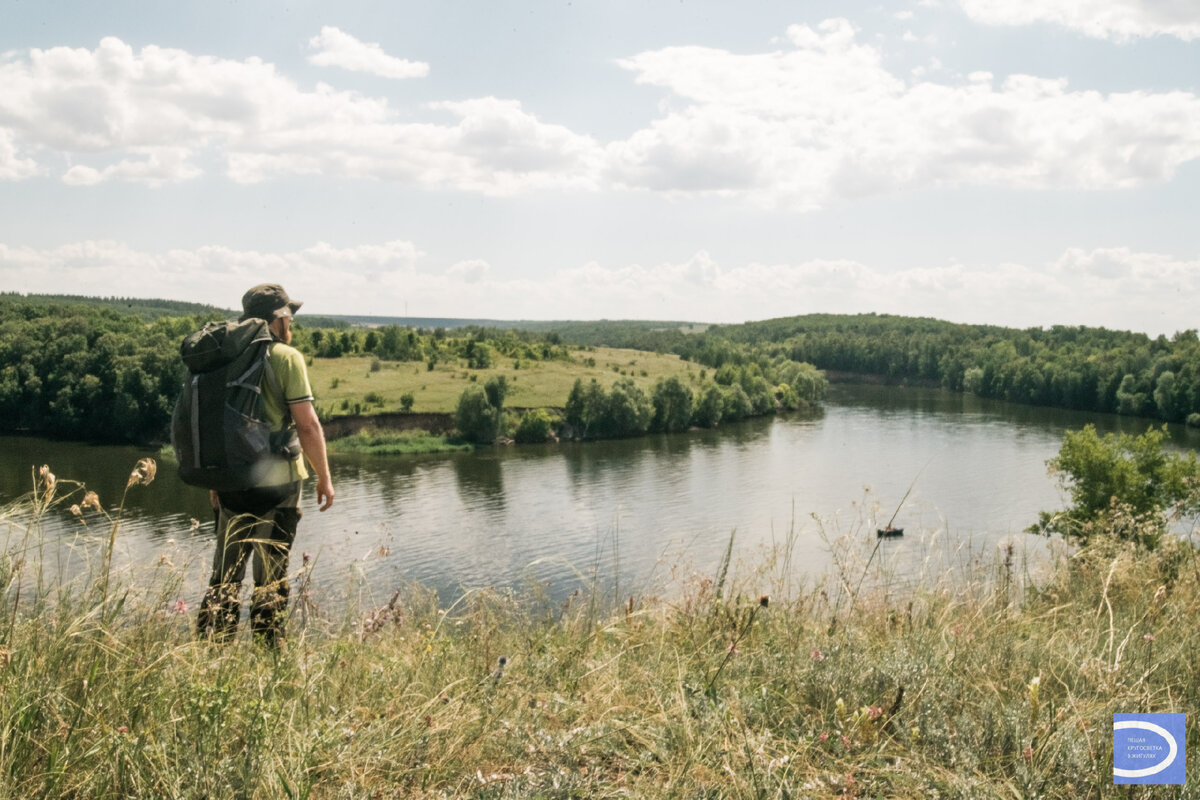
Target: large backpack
[219,430]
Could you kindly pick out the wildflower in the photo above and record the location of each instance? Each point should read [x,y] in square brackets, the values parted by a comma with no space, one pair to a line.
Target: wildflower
[307,557]
[824,737]
[1027,753]
[76,510]
[764,601]
[47,477]
[193,525]
[91,500]
[733,647]
[1148,638]
[143,473]
[874,712]
[817,655]
[122,729]
[845,741]
[181,607]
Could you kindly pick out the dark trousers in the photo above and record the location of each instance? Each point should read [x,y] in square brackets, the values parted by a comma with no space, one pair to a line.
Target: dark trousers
[254,525]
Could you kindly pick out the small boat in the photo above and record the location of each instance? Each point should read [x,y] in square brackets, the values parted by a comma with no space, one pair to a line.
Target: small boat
[889,532]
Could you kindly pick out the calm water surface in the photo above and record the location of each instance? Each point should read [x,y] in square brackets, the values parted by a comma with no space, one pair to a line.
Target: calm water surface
[629,511]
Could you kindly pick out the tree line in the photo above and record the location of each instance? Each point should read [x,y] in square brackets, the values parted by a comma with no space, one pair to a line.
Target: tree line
[625,409]
[99,372]
[1077,367]
[478,347]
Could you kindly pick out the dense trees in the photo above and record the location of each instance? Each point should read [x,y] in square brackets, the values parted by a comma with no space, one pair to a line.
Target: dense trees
[86,372]
[626,410]
[1090,369]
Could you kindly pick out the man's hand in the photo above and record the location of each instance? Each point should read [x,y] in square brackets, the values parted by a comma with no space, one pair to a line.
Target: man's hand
[324,493]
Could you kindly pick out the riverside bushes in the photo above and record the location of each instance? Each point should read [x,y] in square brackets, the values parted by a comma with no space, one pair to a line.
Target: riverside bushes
[980,682]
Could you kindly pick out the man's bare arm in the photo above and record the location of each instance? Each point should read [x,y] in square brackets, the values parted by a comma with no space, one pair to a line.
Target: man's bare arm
[312,440]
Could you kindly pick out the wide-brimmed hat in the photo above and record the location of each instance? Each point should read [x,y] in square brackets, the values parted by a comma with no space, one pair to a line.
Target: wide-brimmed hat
[268,301]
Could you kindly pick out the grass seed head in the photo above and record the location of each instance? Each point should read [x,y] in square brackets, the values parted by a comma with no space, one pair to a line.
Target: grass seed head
[143,473]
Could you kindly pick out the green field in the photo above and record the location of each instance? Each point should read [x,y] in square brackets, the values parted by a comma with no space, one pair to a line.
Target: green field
[340,383]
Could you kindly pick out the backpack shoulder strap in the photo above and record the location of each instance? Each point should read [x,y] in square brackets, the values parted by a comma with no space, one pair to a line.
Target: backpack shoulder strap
[272,382]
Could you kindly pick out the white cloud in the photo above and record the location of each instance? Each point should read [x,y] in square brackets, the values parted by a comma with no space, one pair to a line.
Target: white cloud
[824,120]
[1119,20]
[470,271]
[161,165]
[156,111]
[337,49]
[1114,287]
[818,121]
[12,166]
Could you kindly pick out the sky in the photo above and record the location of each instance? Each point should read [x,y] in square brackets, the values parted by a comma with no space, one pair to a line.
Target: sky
[1024,163]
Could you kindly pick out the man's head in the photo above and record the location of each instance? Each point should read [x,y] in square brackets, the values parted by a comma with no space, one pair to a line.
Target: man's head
[270,302]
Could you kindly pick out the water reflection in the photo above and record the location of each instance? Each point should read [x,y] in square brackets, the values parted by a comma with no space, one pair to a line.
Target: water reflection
[480,480]
[630,511]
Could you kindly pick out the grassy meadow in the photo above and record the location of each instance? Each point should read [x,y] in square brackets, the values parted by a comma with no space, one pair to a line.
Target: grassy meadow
[983,681]
[341,383]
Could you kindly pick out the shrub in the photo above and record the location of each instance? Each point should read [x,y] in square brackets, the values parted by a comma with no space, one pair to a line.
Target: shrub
[406,402]
[534,427]
[476,419]
[1119,476]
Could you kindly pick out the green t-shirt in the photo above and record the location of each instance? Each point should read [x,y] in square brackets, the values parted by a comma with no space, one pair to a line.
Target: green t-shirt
[288,365]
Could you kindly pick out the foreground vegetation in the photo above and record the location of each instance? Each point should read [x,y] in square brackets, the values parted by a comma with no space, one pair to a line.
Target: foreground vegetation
[985,680]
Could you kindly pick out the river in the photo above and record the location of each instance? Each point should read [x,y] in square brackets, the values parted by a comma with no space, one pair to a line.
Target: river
[634,514]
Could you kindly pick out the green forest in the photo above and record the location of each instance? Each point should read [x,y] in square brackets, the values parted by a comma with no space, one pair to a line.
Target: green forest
[109,370]
[1088,369]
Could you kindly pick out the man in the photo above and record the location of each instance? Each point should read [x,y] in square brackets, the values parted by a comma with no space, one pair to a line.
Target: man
[262,522]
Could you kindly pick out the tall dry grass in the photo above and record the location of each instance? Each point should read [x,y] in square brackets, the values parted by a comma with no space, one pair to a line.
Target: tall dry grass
[975,683]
